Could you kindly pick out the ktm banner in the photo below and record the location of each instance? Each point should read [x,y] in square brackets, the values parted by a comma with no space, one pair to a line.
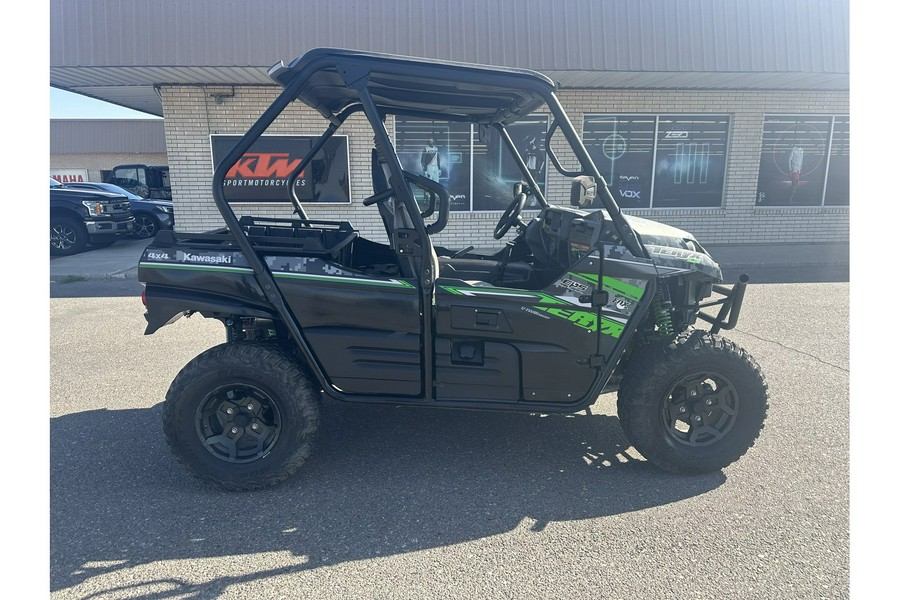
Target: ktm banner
[262,173]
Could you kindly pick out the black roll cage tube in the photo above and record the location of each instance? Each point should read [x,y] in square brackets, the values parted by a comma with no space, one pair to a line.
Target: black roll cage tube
[356,77]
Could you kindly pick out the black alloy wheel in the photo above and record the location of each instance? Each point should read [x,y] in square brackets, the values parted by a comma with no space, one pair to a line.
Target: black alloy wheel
[700,409]
[694,403]
[145,226]
[238,423]
[67,236]
[242,415]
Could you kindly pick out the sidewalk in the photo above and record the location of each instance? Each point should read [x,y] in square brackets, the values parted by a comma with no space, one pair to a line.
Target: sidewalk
[120,260]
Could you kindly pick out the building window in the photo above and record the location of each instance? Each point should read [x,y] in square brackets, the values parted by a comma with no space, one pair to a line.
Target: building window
[805,161]
[660,161]
[439,150]
[479,175]
[495,171]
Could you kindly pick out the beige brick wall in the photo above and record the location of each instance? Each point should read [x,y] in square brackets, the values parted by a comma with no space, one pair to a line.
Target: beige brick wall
[192,115]
[94,163]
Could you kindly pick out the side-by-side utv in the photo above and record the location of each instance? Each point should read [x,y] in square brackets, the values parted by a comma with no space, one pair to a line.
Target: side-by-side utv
[578,302]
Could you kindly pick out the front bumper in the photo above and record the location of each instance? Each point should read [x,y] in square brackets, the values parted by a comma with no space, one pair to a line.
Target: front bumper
[730,305]
[109,227]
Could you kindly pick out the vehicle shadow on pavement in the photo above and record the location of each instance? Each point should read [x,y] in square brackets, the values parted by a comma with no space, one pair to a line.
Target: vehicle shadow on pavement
[383,480]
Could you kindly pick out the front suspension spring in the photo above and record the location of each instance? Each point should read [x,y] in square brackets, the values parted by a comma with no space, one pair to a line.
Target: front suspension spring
[664,324]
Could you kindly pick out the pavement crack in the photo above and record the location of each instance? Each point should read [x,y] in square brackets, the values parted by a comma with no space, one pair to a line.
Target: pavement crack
[797,350]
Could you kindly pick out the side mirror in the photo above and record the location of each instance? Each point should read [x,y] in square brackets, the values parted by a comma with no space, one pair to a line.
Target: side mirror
[584,190]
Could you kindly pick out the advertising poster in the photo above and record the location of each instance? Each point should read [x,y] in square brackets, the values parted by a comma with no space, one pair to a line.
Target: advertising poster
[622,149]
[690,161]
[495,170]
[792,165]
[438,150]
[261,174]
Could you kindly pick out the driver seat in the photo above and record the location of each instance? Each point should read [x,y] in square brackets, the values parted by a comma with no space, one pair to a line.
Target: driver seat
[392,211]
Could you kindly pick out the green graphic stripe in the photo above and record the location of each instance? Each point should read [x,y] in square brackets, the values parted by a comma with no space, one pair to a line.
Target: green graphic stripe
[396,283]
[209,268]
[586,320]
[632,292]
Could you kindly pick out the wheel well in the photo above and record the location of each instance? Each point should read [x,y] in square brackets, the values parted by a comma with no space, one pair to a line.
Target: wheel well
[56,212]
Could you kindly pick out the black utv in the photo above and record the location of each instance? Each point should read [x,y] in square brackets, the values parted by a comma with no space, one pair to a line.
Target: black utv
[579,302]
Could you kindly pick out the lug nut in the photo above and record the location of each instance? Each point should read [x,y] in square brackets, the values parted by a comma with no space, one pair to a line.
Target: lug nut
[250,407]
[709,402]
[693,392]
[229,411]
[682,410]
[254,427]
[234,429]
[697,418]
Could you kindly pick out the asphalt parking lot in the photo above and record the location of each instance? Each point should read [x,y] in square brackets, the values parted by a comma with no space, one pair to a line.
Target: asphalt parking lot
[413,503]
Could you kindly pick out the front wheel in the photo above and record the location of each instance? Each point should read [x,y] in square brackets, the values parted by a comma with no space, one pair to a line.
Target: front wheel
[67,236]
[693,405]
[242,416]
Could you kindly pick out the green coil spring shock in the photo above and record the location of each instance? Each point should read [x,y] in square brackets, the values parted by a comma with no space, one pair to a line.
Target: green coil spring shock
[663,316]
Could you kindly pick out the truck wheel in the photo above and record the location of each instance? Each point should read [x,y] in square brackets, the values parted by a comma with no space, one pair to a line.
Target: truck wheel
[242,416]
[693,405]
[67,236]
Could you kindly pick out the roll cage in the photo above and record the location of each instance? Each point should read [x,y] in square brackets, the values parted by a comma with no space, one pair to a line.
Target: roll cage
[339,83]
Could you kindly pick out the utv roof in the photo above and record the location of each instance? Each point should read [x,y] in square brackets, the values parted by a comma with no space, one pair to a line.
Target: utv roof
[326,79]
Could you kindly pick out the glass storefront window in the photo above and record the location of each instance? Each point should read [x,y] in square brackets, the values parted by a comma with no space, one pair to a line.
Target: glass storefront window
[837,190]
[793,160]
[622,148]
[439,150]
[690,161]
[495,171]
[660,161]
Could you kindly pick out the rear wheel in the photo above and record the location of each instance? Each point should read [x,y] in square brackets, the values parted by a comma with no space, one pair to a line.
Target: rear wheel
[695,404]
[67,236]
[145,226]
[242,416]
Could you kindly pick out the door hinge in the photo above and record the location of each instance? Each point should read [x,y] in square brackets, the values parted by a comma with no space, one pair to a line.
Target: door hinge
[594,361]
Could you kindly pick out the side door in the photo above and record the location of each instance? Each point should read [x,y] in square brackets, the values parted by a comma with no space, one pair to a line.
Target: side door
[508,345]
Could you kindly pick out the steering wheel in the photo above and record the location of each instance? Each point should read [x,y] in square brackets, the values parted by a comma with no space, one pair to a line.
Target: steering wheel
[510,217]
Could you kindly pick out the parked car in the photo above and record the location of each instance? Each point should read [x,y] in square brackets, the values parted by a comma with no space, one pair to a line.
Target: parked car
[150,215]
[79,217]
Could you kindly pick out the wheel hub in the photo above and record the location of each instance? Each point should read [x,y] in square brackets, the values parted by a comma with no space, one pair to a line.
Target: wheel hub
[700,409]
[238,423]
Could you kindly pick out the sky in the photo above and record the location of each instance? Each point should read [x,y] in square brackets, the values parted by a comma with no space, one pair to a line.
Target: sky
[67,105]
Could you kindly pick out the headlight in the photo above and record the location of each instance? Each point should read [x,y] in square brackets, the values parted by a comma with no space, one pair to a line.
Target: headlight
[165,209]
[93,208]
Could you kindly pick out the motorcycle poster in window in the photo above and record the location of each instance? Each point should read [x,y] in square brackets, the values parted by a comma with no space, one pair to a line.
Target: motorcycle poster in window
[261,174]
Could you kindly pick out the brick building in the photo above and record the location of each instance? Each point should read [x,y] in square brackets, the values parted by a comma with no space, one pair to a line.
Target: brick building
[726,118]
